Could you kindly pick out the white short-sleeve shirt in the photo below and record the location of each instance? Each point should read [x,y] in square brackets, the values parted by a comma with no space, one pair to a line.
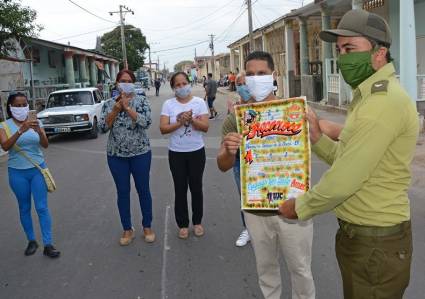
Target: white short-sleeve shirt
[185,139]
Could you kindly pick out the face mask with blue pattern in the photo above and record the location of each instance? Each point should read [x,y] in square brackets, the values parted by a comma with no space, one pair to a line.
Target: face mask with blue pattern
[243,91]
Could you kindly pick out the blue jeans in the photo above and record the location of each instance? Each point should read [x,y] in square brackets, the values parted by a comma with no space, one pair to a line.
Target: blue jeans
[237,175]
[23,183]
[121,169]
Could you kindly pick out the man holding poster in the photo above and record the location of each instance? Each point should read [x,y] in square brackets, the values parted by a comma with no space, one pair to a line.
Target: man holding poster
[367,183]
[270,233]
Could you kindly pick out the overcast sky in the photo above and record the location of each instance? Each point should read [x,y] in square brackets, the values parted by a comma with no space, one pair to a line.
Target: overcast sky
[166,23]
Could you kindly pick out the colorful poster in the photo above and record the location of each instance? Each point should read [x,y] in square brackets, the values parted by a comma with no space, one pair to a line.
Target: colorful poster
[275,152]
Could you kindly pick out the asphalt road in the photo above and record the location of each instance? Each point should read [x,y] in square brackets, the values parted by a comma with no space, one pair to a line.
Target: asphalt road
[86,229]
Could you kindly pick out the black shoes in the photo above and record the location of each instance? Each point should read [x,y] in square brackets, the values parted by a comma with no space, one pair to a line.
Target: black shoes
[31,248]
[51,251]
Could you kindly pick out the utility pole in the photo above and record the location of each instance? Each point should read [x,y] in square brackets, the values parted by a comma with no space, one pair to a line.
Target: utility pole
[150,64]
[123,10]
[212,55]
[251,36]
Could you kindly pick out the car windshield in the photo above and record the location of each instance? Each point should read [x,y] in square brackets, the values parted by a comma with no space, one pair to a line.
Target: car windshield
[70,99]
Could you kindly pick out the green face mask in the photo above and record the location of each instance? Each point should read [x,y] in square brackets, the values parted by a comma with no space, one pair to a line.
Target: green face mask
[356,67]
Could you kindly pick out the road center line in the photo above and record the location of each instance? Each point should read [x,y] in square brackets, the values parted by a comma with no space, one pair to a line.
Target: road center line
[164,255]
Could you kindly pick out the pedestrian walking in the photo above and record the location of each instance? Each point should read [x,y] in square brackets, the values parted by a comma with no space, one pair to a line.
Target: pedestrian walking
[127,117]
[270,234]
[232,81]
[211,91]
[367,183]
[157,86]
[23,137]
[185,117]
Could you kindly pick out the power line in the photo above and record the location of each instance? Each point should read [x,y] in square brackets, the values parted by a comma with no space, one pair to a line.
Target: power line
[196,20]
[257,19]
[81,34]
[227,30]
[89,12]
[186,46]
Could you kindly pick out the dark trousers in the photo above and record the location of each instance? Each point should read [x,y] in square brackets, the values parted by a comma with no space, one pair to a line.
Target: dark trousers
[157,91]
[374,267]
[187,169]
[121,169]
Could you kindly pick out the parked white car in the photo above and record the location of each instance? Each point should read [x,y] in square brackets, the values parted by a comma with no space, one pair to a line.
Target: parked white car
[72,110]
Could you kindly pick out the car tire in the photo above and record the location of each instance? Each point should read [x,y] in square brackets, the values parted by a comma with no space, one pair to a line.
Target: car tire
[94,131]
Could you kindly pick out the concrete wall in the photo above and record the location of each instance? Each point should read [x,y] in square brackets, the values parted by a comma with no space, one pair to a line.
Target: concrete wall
[43,73]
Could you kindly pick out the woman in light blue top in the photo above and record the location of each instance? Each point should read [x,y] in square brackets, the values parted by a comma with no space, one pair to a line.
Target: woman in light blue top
[18,133]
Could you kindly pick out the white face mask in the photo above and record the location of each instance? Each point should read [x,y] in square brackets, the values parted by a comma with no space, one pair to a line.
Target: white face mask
[260,86]
[20,113]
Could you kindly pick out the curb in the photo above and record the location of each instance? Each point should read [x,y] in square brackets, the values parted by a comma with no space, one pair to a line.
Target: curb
[328,108]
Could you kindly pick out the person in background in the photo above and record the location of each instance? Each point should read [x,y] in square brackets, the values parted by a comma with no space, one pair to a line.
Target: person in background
[157,86]
[185,117]
[275,86]
[128,117]
[232,81]
[211,92]
[25,179]
[204,81]
[244,97]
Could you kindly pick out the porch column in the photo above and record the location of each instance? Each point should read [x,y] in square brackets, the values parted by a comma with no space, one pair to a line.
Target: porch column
[107,70]
[83,69]
[265,46]
[93,72]
[113,72]
[408,58]
[241,59]
[326,49]
[232,60]
[101,77]
[289,58]
[117,69]
[69,68]
[303,46]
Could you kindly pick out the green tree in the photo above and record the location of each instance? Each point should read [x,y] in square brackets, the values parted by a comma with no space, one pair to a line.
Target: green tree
[179,67]
[16,21]
[135,43]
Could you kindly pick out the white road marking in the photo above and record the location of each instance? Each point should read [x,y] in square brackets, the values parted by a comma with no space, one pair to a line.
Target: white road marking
[164,256]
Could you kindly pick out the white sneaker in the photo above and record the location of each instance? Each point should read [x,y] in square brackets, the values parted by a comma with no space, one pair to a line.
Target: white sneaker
[243,239]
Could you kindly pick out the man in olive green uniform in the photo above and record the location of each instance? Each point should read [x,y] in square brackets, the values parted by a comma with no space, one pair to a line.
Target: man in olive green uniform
[367,183]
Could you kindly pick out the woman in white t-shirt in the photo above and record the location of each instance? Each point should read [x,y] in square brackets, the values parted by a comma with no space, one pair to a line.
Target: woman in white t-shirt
[185,117]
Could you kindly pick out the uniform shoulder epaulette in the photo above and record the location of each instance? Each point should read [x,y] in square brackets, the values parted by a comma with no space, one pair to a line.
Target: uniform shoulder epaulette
[379,86]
